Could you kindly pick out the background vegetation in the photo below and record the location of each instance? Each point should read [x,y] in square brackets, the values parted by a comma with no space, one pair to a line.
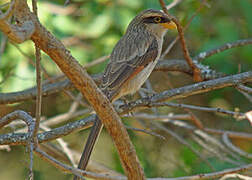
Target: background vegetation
[90,29]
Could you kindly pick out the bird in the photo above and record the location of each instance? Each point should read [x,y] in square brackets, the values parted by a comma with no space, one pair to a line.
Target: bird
[131,62]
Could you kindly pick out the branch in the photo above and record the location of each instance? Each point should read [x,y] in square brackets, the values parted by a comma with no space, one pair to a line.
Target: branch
[22,138]
[196,71]
[230,145]
[164,65]
[189,90]
[236,115]
[211,175]
[16,32]
[51,88]
[206,54]
[31,128]
[72,170]
[14,139]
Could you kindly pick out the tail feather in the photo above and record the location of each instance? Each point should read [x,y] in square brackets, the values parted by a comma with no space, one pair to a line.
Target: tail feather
[92,138]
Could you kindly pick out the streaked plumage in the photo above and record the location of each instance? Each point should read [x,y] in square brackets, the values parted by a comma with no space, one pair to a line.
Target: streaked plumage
[132,60]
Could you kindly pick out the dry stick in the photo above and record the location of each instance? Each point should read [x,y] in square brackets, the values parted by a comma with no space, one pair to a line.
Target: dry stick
[168,65]
[188,90]
[201,134]
[210,148]
[224,47]
[83,82]
[16,33]
[30,60]
[195,120]
[184,142]
[173,4]
[236,176]
[158,117]
[51,80]
[231,134]
[63,145]
[146,131]
[164,118]
[39,93]
[185,28]
[207,138]
[177,93]
[69,94]
[237,115]
[245,89]
[93,166]
[230,145]
[97,61]
[75,171]
[212,175]
[3,44]
[8,118]
[196,71]
[213,141]
[31,128]
[51,88]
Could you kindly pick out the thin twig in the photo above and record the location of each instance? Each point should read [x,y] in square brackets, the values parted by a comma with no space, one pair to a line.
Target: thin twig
[39,91]
[159,117]
[188,90]
[237,115]
[182,141]
[167,50]
[75,171]
[146,131]
[51,88]
[196,71]
[236,176]
[3,44]
[97,61]
[173,4]
[31,127]
[224,47]
[230,145]
[63,145]
[167,118]
[31,61]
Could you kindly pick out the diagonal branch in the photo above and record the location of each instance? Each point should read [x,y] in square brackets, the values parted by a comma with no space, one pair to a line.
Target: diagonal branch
[196,71]
[84,83]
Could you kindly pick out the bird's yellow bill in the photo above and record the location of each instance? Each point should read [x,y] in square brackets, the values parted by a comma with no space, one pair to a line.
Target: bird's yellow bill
[169,25]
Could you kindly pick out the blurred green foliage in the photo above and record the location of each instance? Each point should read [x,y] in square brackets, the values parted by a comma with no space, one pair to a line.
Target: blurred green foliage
[90,29]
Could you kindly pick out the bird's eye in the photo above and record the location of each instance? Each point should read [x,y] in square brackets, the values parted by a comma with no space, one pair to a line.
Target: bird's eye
[157,19]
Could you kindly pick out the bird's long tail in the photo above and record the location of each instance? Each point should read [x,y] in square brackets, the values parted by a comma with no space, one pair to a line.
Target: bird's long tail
[92,138]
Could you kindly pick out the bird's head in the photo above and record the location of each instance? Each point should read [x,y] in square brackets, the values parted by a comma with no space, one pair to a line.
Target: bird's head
[154,20]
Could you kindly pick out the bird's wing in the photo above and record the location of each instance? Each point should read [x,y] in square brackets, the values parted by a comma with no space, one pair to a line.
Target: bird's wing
[127,62]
